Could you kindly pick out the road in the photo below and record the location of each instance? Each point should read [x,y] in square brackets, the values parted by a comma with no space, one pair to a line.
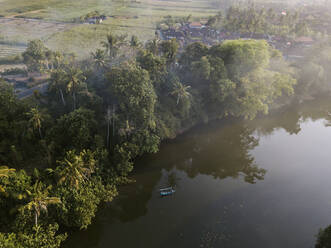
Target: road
[42,89]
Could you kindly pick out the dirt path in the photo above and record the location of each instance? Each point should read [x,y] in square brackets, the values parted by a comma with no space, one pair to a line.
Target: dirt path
[28,12]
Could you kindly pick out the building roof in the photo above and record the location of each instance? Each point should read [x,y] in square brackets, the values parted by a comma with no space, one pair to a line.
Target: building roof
[195,25]
[304,39]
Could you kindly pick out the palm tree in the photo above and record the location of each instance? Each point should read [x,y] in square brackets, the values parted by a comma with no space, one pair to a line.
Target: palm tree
[4,172]
[35,120]
[99,58]
[76,169]
[108,118]
[180,91]
[111,45]
[114,117]
[134,43]
[57,82]
[127,130]
[39,200]
[75,78]
[153,46]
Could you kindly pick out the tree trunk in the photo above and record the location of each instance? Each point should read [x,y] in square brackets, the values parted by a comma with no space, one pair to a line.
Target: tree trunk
[113,127]
[113,120]
[108,126]
[74,97]
[62,97]
[36,219]
[39,129]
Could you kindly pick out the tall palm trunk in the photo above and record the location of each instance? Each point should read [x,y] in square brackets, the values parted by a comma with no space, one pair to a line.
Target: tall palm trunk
[62,97]
[108,130]
[74,97]
[36,218]
[39,129]
[113,120]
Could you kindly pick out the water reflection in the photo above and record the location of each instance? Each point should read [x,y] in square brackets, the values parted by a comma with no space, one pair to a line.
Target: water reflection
[226,154]
[215,152]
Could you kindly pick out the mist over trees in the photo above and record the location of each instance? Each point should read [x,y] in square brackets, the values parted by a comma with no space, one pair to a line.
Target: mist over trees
[67,151]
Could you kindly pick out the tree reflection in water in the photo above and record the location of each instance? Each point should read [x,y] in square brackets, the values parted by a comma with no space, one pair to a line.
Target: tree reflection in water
[221,150]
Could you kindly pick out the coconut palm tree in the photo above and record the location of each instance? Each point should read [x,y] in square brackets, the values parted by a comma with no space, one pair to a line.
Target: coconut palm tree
[134,44]
[108,119]
[35,120]
[127,130]
[57,82]
[180,91]
[113,43]
[39,200]
[99,58]
[5,172]
[75,79]
[76,169]
[153,46]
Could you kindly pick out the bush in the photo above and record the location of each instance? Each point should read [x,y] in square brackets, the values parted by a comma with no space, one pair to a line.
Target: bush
[14,71]
[324,238]
[12,59]
[40,238]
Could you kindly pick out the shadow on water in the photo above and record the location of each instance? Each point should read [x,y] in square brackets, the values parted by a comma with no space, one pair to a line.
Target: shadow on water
[219,150]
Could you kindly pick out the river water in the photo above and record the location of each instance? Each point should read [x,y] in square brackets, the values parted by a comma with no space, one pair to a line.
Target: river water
[263,183]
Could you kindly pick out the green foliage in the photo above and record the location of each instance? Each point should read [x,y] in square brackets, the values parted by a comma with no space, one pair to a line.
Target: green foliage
[324,238]
[35,120]
[134,42]
[254,20]
[242,56]
[76,169]
[113,44]
[155,65]
[235,78]
[314,71]
[5,172]
[169,50]
[75,130]
[12,125]
[123,158]
[38,200]
[100,114]
[80,205]
[40,237]
[38,57]
[135,95]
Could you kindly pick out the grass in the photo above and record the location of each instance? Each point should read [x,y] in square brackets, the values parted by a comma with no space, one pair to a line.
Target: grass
[7,53]
[133,17]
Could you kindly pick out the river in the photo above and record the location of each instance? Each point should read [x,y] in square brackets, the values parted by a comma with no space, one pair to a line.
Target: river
[263,184]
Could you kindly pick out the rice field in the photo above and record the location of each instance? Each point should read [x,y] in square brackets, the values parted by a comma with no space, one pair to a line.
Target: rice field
[52,20]
[7,50]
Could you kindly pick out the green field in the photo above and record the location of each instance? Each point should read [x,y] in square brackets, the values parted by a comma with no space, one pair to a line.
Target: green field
[55,17]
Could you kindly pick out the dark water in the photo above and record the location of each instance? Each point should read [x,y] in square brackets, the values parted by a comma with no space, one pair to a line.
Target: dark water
[264,183]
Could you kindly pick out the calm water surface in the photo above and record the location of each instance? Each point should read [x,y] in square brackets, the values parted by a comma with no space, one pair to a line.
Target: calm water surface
[264,183]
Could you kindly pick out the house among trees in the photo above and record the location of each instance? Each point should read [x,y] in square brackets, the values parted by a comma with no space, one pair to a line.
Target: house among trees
[196,25]
[304,41]
[93,18]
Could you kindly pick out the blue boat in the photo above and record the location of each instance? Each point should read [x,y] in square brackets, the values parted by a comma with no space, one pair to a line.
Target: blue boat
[167,191]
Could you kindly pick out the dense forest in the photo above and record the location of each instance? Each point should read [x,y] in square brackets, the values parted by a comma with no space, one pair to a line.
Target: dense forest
[65,152]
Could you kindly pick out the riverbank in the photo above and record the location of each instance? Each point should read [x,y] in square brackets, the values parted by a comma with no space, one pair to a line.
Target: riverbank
[216,203]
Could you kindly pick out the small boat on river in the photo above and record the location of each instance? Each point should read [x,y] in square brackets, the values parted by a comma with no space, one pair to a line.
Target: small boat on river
[167,191]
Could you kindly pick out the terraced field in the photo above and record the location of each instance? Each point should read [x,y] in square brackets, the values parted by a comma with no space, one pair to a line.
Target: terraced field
[7,50]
